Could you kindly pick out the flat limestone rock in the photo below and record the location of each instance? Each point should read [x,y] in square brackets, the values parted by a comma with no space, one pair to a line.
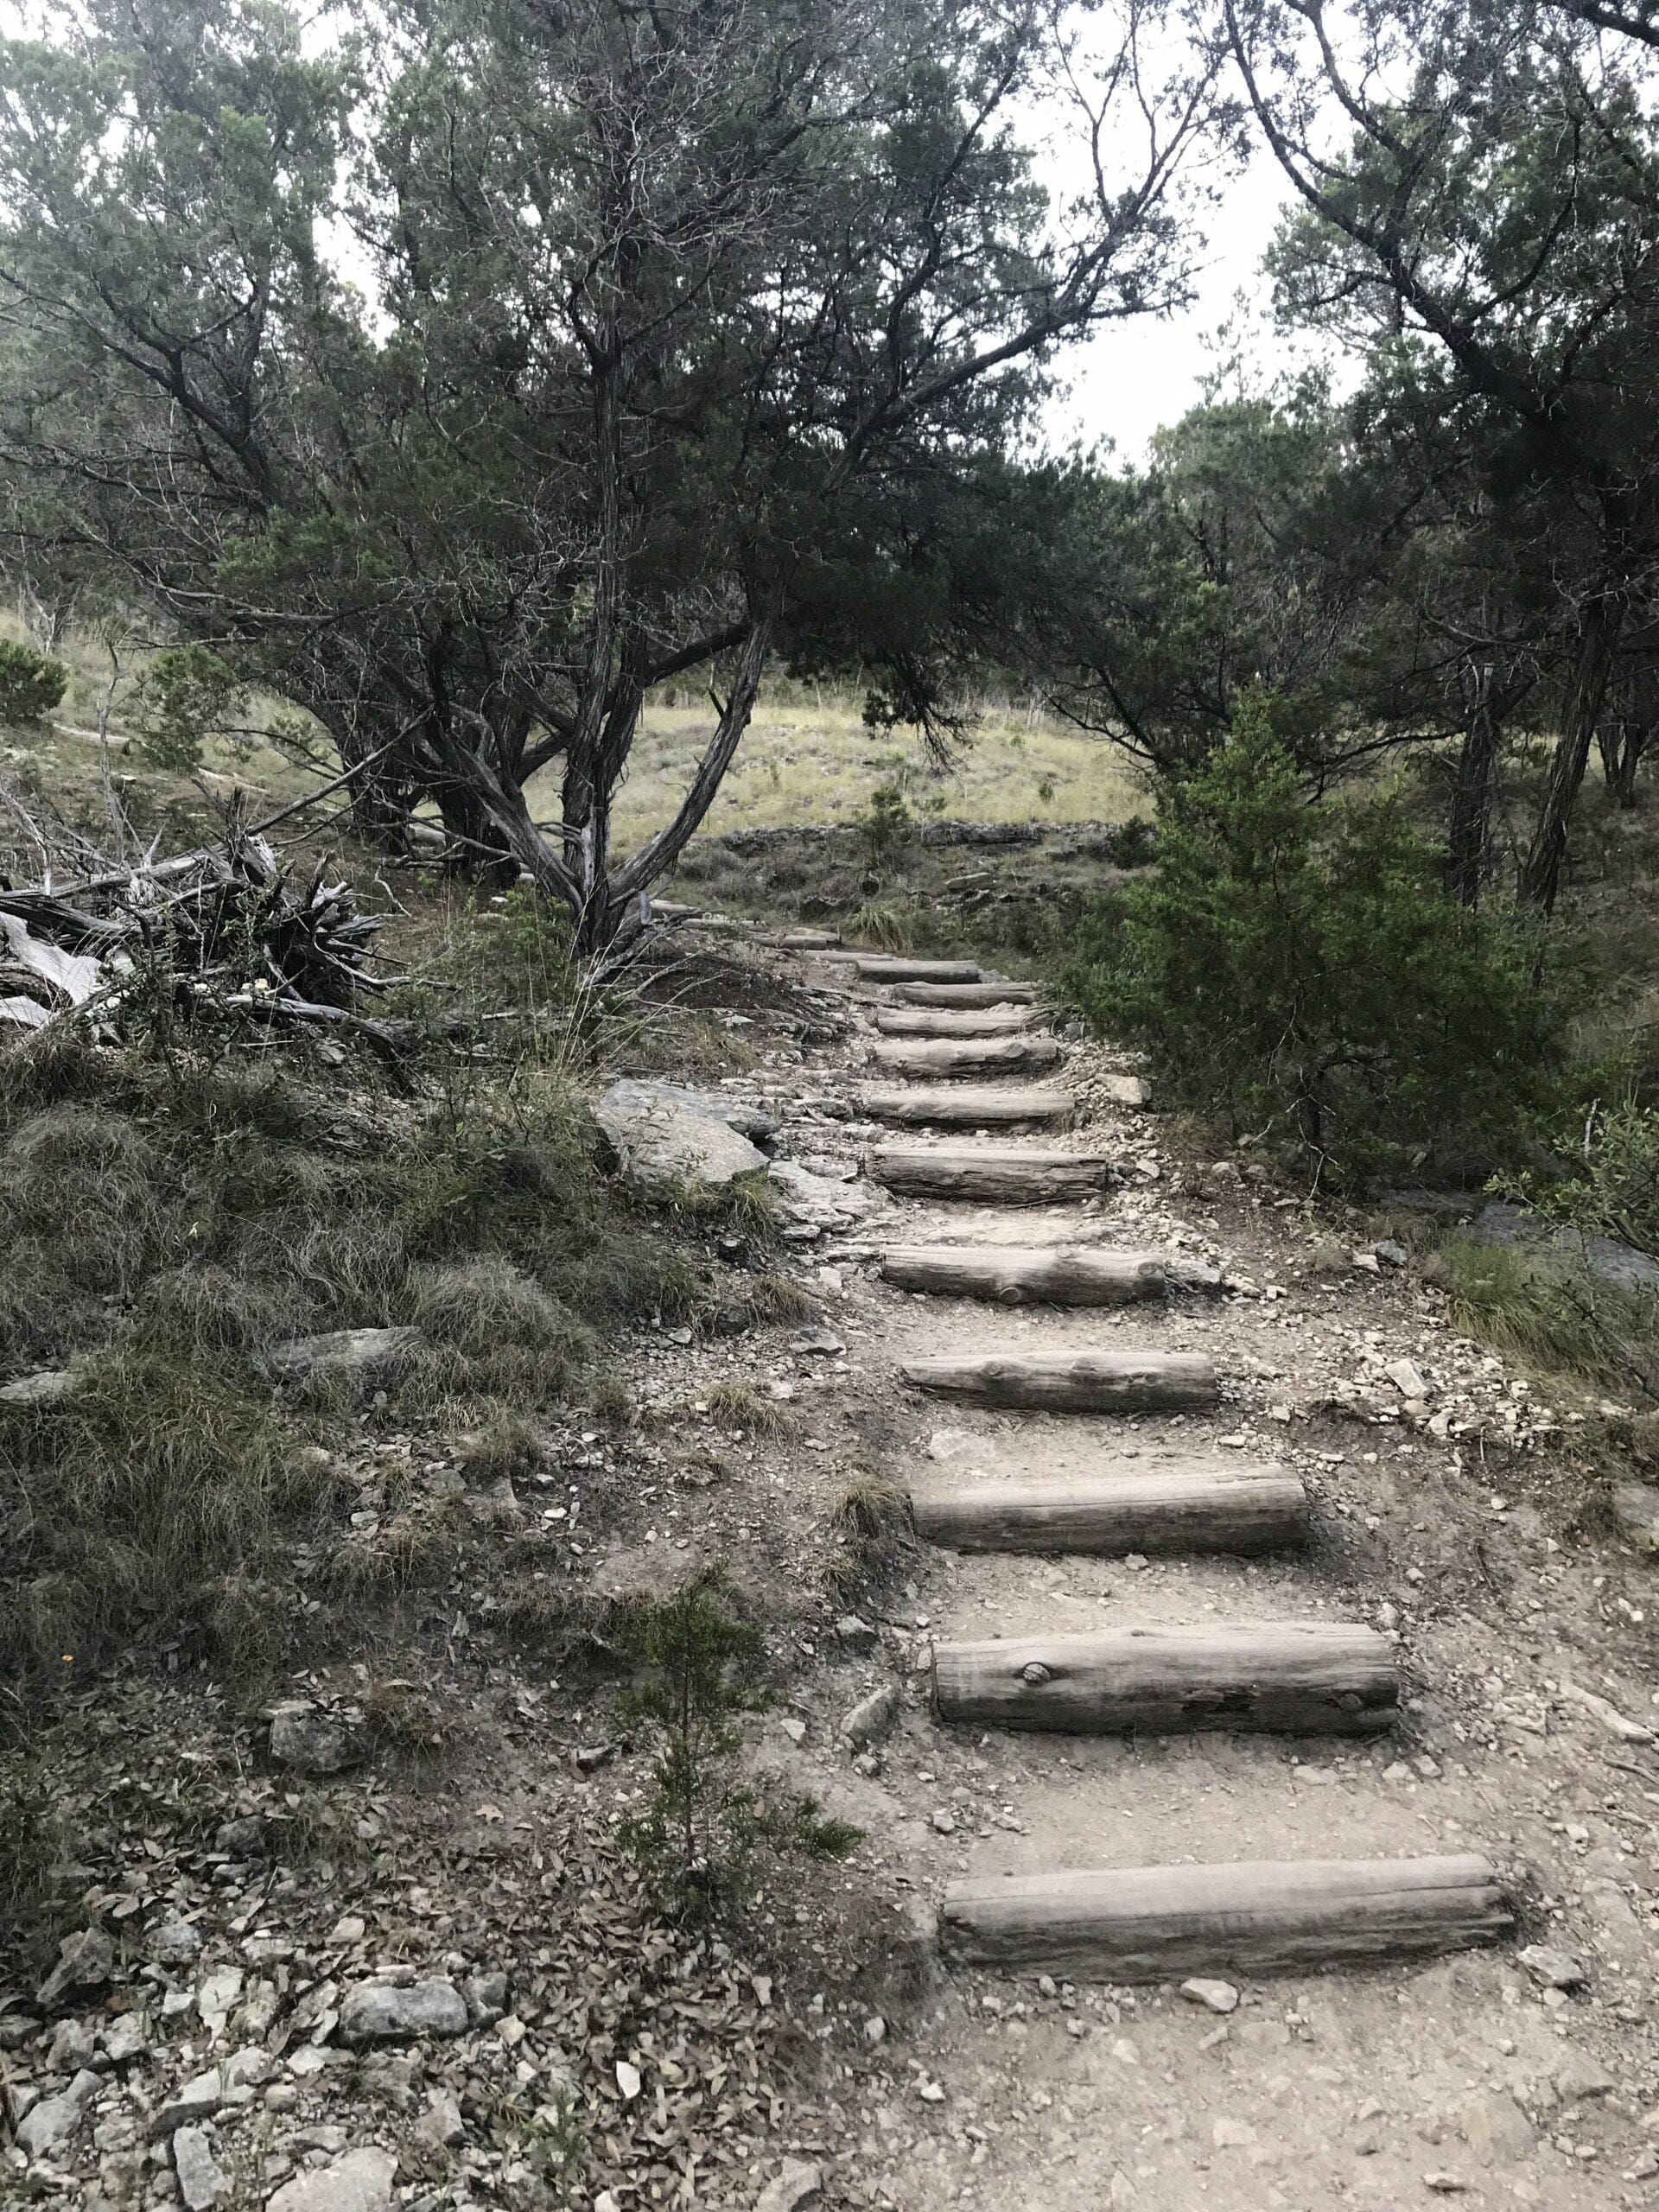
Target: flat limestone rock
[340,1352]
[358,2182]
[743,1114]
[666,1138]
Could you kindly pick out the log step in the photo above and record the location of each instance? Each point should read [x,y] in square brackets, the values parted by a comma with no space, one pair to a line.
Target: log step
[986,1021]
[1242,1511]
[1254,1916]
[967,1056]
[988,1175]
[968,1106]
[970,994]
[1051,1274]
[897,968]
[1070,1382]
[1298,1678]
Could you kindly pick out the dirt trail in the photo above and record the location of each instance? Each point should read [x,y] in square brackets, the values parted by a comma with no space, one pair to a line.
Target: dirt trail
[1438,1521]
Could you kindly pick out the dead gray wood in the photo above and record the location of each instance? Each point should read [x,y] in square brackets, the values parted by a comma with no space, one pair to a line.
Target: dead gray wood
[1159,1923]
[1078,1382]
[1298,1678]
[967,1056]
[970,994]
[899,968]
[1163,1509]
[987,1021]
[971,1106]
[1014,1274]
[989,1175]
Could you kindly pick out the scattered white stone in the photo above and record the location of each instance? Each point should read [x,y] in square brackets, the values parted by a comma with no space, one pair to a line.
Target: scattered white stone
[201,2184]
[360,2181]
[796,2188]
[1218,1996]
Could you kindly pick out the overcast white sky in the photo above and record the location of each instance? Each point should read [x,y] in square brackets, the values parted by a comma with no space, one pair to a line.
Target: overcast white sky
[1132,378]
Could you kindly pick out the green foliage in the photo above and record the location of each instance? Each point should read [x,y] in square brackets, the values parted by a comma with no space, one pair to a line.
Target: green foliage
[186,695]
[886,826]
[1613,1188]
[1299,972]
[30,684]
[702,1829]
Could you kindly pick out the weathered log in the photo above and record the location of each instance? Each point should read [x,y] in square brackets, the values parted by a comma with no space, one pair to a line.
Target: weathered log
[967,1056]
[984,994]
[1254,1916]
[1298,1678]
[986,1175]
[1191,1509]
[969,1106]
[899,968]
[1014,1274]
[971,1021]
[1070,1382]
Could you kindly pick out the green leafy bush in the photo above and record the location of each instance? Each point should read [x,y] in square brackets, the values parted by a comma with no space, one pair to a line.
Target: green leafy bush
[185,695]
[1613,1188]
[1298,971]
[30,684]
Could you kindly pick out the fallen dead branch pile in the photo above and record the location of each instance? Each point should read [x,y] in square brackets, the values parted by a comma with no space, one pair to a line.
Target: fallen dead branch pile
[225,935]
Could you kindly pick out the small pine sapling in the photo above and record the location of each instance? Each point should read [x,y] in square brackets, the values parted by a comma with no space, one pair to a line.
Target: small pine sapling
[703,1828]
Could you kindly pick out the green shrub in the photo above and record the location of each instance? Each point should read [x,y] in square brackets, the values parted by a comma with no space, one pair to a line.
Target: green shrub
[1298,971]
[30,684]
[886,826]
[185,695]
[1613,1187]
[702,1829]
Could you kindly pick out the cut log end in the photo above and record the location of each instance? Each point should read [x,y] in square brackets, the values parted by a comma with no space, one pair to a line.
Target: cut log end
[1160,1923]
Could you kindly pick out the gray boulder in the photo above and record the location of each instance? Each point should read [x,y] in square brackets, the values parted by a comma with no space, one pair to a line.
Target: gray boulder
[1605,1257]
[666,1138]
[1636,1509]
[381,2011]
[309,1741]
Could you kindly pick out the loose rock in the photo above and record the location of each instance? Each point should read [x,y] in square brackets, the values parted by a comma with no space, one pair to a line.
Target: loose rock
[379,2011]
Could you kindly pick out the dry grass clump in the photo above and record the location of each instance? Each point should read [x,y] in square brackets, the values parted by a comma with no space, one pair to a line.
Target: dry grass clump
[737,1405]
[142,1500]
[869,1528]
